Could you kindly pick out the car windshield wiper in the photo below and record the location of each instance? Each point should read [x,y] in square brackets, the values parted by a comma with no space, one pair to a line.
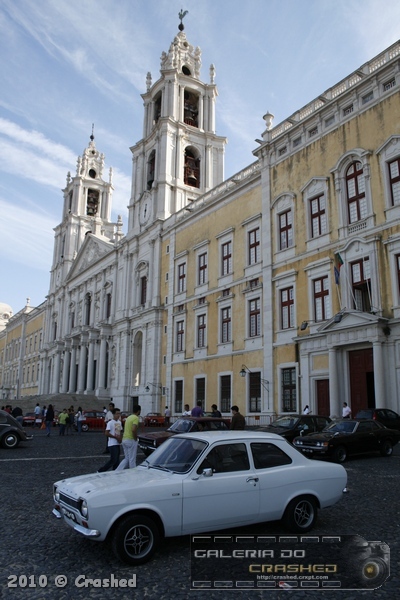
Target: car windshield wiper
[161,467]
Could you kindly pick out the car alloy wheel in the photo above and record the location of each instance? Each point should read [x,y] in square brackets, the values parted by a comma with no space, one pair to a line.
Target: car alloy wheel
[135,539]
[10,440]
[340,454]
[386,448]
[301,514]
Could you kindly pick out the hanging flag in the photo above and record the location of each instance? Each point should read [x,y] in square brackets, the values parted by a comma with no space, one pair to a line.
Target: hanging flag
[339,260]
[336,267]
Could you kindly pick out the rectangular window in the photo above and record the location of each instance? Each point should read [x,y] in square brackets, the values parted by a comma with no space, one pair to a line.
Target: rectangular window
[201,391]
[255,392]
[202,268]
[318,216]
[226,325]
[254,317]
[178,396]
[361,282]
[389,85]
[287,308]
[254,246]
[285,230]
[201,331]
[180,334]
[225,393]
[226,266]
[181,277]
[394,177]
[398,272]
[321,299]
[289,403]
[108,302]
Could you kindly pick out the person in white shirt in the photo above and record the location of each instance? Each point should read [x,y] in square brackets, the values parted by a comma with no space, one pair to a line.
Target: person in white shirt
[187,412]
[114,438]
[346,412]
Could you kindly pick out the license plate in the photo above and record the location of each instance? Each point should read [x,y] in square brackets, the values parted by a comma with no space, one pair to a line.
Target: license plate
[67,513]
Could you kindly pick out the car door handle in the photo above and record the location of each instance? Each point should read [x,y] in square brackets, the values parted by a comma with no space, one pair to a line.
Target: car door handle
[255,479]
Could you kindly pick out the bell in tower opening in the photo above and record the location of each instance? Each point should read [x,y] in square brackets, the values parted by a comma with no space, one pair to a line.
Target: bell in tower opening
[92,205]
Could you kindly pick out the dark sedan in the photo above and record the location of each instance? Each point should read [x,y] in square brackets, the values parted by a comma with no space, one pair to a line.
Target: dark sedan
[148,442]
[290,426]
[387,417]
[11,432]
[347,438]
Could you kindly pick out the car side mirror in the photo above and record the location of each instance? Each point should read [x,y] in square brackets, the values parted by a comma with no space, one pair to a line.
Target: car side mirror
[207,472]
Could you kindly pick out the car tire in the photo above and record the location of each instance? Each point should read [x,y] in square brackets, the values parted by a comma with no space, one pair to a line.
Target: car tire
[301,514]
[386,448]
[135,539]
[85,427]
[340,454]
[10,440]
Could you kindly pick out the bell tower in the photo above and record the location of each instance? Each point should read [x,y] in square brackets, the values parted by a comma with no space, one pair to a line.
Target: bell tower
[180,156]
[87,208]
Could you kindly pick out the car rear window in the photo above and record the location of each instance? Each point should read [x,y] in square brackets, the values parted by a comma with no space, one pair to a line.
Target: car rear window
[266,455]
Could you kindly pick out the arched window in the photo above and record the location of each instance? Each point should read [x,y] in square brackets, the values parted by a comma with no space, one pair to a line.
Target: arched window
[191,109]
[191,169]
[151,165]
[157,107]
[355,191]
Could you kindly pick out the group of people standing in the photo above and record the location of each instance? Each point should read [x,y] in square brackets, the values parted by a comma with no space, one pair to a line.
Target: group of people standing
[115,438]
[237,422]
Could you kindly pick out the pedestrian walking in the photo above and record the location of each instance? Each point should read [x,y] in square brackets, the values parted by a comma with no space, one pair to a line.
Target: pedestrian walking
[107,418]
[80,417]
[62,421]
[130,439]
[113,433]
[49,418]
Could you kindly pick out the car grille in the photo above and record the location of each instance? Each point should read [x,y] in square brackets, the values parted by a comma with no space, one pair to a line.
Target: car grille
[146,443]
[69,501]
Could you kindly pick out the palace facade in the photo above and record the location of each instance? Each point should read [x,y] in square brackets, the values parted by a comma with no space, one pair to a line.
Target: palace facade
[275,288]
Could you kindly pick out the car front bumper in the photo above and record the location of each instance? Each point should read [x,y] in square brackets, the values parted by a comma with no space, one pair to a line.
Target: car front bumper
[85,531]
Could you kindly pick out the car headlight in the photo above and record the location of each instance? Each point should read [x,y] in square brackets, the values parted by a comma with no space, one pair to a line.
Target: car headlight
[56,494]
[84,509]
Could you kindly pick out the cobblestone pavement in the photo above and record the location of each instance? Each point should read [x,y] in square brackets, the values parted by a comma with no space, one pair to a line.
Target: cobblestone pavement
[34,542]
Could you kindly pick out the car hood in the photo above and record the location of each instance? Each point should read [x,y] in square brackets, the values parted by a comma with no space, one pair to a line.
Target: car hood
[156,435]
[277,430]
[123,482]
[322,436]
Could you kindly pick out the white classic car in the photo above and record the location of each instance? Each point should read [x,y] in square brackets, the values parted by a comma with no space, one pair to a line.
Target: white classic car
[199,482]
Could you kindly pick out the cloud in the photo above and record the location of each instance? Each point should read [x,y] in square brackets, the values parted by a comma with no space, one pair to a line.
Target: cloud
[26,236]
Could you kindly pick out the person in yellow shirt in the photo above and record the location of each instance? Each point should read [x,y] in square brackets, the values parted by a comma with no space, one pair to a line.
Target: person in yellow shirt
[63,420]
[130,440]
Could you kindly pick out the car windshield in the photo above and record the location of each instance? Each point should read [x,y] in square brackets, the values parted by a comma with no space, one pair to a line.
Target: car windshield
[176,455]
[342,427]
[285,422]
[181,426]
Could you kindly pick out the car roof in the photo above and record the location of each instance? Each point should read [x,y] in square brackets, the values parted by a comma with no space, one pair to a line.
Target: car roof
[229,435]
[188,418]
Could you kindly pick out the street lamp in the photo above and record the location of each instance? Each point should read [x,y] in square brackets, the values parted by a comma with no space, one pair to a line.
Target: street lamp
[156,385]
[264,382]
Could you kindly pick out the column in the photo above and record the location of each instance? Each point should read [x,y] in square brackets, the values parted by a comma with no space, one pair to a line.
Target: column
[335,408]
[56,372]
[72,369]
[82,367]
[66,373]
[90,370]
[379,372]
[101,383]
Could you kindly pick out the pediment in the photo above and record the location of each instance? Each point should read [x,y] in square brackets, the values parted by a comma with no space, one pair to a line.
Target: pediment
[91,251]
[352,318]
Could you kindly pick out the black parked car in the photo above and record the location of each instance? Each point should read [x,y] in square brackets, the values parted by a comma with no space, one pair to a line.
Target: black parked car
[290,426]
[11,432]
[387,417]
[349,437]
[148,442]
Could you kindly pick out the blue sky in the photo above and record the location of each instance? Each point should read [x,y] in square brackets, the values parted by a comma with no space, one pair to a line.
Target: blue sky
[65,64]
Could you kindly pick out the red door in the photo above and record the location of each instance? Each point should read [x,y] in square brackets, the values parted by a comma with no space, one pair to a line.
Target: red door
[323,405]
[361,366]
